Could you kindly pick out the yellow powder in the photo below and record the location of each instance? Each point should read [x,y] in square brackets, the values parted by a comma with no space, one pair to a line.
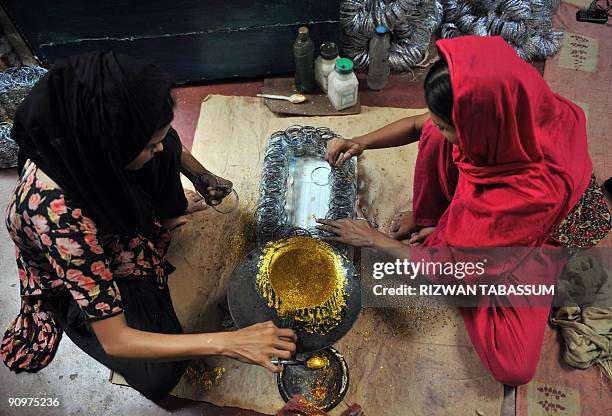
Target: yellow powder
[300,267]
[303,278]
[198,374]
[317,362]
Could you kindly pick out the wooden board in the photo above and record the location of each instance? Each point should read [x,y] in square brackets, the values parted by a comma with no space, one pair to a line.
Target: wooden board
[317,105]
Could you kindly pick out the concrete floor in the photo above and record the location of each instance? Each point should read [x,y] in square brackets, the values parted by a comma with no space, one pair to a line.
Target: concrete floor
[79,382]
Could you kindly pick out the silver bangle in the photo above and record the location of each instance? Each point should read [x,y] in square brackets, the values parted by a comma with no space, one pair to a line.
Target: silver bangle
[372,223]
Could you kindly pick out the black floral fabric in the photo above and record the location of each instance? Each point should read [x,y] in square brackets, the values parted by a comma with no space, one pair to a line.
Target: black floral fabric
[588,222]
[58,249]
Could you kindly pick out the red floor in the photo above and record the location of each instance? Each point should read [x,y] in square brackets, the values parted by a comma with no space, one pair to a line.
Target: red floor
[404,91]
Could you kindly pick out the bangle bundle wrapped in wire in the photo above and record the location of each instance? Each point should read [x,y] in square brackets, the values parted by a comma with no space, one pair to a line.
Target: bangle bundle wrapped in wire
[524,24]
[299,141]
[411,23]
[9,150]
[15,84]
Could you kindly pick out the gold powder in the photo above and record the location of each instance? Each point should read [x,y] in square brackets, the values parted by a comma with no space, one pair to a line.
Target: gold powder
[318,392]
[317,362]
[303,278]
[297,268]
[198,374]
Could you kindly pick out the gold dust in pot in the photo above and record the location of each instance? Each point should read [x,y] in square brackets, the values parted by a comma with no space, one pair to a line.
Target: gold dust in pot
[303,278]
[301,267]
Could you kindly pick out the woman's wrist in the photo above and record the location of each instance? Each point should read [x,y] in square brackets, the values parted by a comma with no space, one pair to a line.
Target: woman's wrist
[361,141]
[192,174]
[216,343]
[380,239]
[190,167]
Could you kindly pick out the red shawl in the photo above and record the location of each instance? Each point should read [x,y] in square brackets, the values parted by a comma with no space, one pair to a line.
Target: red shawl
[522,155]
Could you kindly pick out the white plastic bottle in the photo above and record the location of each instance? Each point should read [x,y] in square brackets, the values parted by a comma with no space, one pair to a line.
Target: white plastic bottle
[342,85]
[378,70]
[325,63]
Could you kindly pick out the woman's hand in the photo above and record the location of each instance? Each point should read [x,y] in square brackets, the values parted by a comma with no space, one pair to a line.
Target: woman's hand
[420,236]
[356,233]
[341,150]
[402,226]
[260,343]
[212,187]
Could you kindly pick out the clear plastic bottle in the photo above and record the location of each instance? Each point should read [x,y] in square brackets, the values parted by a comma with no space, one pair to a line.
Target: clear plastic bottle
[325,63]
[342,85]
[378,69]
[303,51]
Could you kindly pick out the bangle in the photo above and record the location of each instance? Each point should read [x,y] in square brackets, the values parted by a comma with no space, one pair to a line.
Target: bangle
[372,223]
[217,186]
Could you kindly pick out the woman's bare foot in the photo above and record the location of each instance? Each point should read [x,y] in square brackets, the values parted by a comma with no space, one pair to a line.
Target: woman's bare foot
[402,226]
[195,203]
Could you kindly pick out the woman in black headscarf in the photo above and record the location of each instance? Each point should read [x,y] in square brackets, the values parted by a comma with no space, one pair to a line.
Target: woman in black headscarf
[90,219]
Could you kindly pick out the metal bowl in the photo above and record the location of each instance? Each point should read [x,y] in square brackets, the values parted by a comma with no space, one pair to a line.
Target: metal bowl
[248,307]
[325,388]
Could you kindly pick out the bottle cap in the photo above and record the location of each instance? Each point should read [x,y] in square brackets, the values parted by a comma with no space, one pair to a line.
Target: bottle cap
[329,50]
[344,66]
[381,30]
[303,32]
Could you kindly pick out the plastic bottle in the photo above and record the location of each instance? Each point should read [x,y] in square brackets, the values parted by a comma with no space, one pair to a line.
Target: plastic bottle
[303,51]
[378,70]
[325,63]
[342,85]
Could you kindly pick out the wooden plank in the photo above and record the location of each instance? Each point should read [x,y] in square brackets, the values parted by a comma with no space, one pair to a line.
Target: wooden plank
[317,105]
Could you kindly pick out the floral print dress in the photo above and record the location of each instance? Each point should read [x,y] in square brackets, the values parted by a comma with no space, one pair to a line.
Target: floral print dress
[59,250]
[587,223]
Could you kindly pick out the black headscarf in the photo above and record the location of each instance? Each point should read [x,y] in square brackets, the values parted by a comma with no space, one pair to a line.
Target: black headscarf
[86,119]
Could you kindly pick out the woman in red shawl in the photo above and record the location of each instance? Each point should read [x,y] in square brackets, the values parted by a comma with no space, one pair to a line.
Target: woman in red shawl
[503,162]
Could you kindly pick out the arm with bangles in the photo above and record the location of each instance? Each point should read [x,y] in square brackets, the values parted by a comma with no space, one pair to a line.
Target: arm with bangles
[359,233]
[399,133]
[256,344]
